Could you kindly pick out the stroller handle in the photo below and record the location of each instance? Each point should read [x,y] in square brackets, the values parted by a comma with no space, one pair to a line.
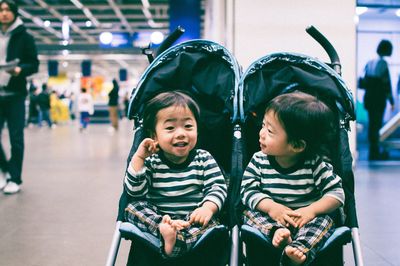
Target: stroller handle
[330,50]
[170,40]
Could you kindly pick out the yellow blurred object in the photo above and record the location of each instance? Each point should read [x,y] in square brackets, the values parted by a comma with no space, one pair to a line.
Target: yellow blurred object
[58,110]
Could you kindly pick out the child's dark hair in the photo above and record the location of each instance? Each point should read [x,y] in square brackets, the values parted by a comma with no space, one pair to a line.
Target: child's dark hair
[306,118]
[165,100]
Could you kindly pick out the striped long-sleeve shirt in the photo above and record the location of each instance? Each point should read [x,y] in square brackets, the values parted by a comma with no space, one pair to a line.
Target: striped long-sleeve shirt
[294,187]
[178,189]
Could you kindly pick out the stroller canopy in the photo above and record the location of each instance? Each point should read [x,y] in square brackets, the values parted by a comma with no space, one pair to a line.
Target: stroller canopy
[203,68]
[283,72]
[210,74]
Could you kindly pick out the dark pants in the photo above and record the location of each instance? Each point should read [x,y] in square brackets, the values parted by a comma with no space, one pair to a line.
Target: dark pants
[375,117]
[85,119]
[44,115]
[309,239]
[12,111]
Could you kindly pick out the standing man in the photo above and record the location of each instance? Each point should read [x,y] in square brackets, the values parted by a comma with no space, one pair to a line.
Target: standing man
[378,90]
[15,44]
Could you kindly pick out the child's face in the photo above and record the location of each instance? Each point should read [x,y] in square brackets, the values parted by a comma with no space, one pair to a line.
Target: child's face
[176,132]
[273,137]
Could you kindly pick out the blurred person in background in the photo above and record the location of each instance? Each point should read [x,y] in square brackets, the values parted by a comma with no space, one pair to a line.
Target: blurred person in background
[113,105]
[33,107]
[15,44]
[378,90]
[85,108]
[43,100]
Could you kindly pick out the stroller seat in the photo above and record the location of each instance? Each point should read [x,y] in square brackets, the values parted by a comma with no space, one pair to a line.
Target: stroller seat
[130,231]
[280,73]
[209,73]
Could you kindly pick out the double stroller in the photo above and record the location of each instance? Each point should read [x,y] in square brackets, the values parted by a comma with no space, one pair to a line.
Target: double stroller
[232,104]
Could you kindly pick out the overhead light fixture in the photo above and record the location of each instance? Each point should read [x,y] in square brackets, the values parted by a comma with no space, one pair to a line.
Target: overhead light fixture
[149,17]
[398,12]
[361,10]
[77,4]
[106,37]
[39,22]
[88,23]
[65,28]
[47,23]
[157,37]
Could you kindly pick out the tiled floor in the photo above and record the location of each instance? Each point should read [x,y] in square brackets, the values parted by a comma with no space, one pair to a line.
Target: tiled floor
[65,213]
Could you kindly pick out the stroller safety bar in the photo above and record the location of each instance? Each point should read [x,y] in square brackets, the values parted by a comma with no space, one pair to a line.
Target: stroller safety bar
[116,240]
[357,247]
[235,246]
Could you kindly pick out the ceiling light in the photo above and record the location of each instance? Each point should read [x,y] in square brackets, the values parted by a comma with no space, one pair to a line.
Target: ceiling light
[88,23]
[361,10]
[47,23]
[65,52]
[106,37]
[157,37]
[398,12]
[65,28]
[77,4]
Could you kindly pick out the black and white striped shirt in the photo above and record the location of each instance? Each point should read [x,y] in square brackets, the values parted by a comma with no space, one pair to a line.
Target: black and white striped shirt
[178,189]
[295,187]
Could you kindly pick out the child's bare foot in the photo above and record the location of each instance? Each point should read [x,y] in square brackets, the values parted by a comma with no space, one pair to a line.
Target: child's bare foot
[168,233]
[281,238]
[295,256]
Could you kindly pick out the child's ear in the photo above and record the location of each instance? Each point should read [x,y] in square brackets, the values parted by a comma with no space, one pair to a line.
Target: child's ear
[299,146]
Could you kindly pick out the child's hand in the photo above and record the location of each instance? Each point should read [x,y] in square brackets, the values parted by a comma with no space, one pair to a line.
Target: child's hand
[179,224]
[146,148]
[15,71]
[306,215]
[283,215]
[201,215]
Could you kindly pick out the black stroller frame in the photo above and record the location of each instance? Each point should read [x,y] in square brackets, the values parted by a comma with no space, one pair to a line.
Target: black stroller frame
[211,74]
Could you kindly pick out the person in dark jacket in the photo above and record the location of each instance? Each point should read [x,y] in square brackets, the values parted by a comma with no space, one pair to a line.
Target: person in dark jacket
[113,105]
[43,101]
[17,46]
[378,90]
[33,112]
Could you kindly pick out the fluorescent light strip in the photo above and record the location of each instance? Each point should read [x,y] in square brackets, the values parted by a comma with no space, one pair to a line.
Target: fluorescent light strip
[119,14]
[147,14]
[39,22]
[56,14]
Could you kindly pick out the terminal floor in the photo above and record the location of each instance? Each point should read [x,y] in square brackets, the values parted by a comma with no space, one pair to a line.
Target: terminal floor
[65,213]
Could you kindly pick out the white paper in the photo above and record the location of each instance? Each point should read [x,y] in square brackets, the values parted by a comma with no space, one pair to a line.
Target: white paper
[9,65]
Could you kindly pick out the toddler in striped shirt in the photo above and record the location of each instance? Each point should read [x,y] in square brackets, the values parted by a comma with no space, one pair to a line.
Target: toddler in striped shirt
[289,188]
[178,189]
